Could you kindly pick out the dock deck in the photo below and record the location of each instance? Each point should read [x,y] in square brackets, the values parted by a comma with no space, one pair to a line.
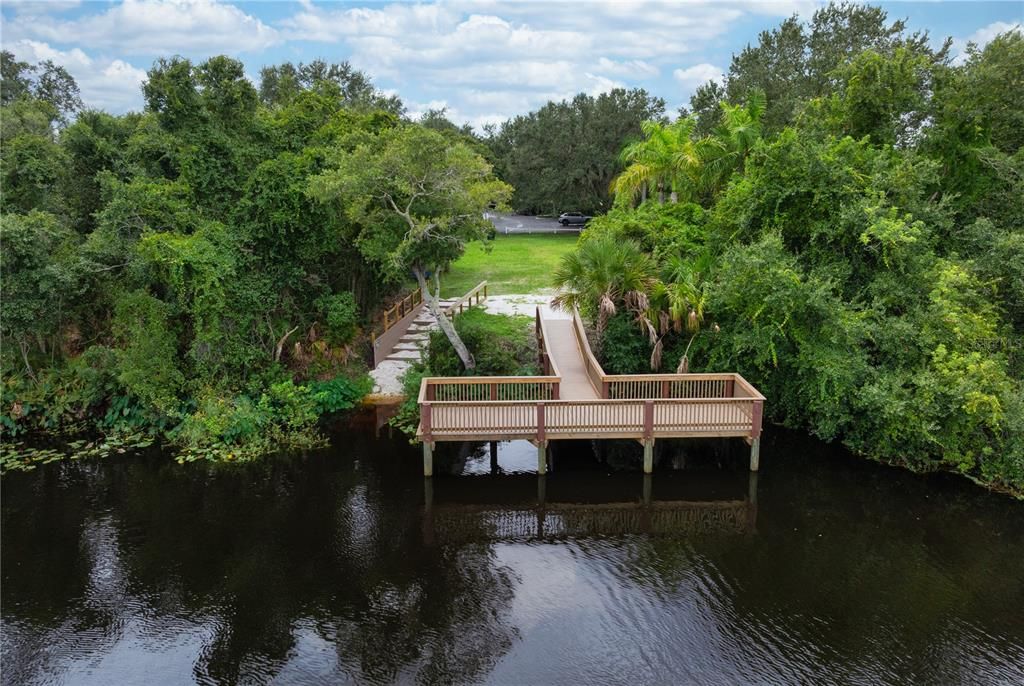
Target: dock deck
[575,399]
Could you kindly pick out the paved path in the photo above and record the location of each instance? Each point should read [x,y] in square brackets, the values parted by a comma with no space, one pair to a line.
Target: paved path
[518,223]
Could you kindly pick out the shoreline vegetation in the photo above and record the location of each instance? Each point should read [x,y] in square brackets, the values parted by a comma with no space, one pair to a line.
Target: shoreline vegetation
[839,220]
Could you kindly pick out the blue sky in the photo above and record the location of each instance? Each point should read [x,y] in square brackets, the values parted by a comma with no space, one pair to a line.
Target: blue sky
[484,60]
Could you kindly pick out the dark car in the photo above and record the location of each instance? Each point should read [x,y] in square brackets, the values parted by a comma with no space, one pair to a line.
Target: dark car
[567,218]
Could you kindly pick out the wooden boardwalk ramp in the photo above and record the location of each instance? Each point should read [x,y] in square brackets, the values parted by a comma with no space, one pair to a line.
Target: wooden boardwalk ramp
[575,399]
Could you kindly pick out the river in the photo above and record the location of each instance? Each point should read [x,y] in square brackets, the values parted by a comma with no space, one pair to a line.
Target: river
[346,566]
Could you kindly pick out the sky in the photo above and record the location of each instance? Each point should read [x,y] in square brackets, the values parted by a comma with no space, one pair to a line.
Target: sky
[484,60]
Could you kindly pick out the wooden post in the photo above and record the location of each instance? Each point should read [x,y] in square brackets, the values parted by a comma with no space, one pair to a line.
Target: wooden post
[648,420]
[648,456]
[494,391]
[428,458]
[757,415]
[604,389]
[542,443]
[664,389]
[494,457]
[729,388]
[554,390]
[647,489]
[426,417]
[755,435]
[386,324]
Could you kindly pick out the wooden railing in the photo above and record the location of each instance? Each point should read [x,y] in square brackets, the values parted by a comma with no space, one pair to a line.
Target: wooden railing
[478,291]
[640,406]
[545,360]
[546,419]
[626,386]
[462,389]
[657,386]
[594,371]
[396,313]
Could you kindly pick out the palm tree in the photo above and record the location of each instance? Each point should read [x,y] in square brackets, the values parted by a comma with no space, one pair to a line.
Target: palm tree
[650,163]
[670,159]
[604,274]
[679,299]
[734,138]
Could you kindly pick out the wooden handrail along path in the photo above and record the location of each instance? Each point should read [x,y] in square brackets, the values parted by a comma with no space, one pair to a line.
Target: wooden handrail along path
[397,319]
[577,400]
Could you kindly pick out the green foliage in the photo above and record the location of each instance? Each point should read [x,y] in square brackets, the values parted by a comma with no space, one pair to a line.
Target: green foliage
[340,393]
[341,318]
[241,428]
[502,346]
[564,156]
[167,274]
[799,61]
[862,266]
[147,359]
[623,350]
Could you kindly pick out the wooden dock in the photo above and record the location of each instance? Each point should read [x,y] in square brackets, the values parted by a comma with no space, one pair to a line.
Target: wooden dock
[575,399]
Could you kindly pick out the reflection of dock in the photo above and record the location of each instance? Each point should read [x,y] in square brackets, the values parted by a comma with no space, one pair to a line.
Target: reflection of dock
[454,520]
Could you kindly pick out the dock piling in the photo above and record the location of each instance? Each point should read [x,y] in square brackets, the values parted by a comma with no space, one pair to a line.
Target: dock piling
[648,456]
[755,454]
[428,458]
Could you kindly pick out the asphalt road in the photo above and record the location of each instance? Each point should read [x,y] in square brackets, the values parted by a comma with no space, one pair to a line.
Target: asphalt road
[516,223]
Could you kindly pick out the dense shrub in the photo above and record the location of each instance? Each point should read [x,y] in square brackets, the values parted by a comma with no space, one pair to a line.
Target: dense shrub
[501,346]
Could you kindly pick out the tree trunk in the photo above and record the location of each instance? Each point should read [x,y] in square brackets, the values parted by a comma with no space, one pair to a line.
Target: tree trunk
[643,193]
[443,322]
[673,198]
[24,356]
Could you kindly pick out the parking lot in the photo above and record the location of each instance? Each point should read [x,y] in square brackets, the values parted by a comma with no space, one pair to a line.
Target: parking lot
[516,223]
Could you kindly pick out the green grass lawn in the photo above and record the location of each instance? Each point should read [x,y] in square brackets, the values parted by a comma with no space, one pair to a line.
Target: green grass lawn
[515,264]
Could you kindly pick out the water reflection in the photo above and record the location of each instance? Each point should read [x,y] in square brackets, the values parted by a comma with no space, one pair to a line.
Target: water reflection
[574,505]
[348,567]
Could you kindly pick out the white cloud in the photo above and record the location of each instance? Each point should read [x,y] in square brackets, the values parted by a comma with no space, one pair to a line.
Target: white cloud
[981,38]
[631,68]
[152,27]
[108,84]
[984,35]
[497,58]
[691,77]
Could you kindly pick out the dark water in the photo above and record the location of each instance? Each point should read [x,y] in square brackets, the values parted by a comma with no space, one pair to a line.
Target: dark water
[342,567]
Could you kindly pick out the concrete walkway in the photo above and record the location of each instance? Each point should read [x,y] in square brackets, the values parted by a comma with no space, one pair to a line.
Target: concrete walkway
[387,376]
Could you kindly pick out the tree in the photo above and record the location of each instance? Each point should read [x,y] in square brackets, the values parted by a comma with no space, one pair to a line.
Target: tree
[420,198]
[15,78]
[793,63]
[57,87]
[704,107]
[603,275]
[281,84]
[565,155]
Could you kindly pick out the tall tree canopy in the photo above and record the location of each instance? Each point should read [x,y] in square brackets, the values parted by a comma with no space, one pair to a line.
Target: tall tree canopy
[564,156]
[796,61]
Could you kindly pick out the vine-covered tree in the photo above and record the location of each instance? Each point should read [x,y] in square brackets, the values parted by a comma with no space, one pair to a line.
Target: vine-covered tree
[422,197]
